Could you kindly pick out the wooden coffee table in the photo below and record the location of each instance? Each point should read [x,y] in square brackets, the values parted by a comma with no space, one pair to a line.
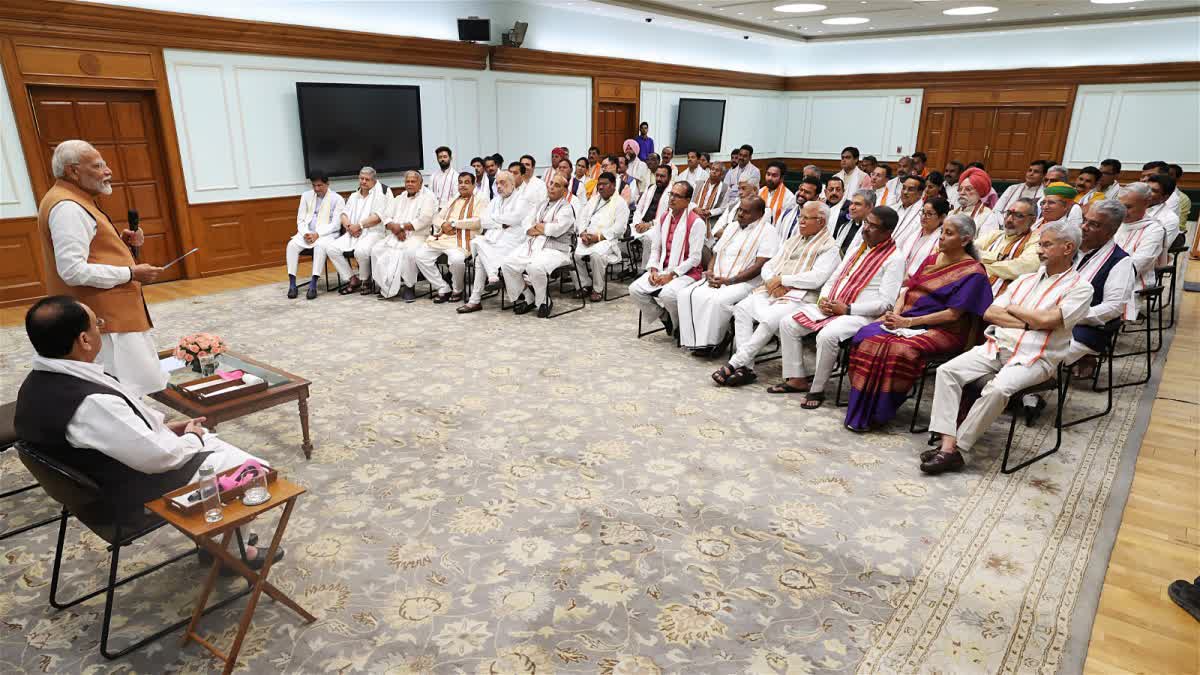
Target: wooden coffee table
[282,388]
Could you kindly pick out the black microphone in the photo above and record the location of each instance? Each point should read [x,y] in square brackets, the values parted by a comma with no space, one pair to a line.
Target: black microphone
[134,219]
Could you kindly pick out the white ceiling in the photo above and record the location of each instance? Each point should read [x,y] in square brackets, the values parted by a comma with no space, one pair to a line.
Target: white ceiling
[896,17]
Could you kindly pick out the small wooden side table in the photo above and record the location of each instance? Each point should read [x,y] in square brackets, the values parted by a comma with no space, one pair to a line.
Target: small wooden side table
[283,493]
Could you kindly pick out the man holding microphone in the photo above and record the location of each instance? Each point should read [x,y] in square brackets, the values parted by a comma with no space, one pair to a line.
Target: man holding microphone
[87,258]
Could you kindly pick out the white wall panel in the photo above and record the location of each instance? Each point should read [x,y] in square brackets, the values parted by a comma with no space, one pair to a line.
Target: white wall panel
[751,116]
[205,131]
[535,114]
[821,123]
[16,192]
[798,116]
[465,104]
[1136,123]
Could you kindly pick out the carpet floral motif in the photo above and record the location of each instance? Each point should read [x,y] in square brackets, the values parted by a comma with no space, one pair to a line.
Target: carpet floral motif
[500,494]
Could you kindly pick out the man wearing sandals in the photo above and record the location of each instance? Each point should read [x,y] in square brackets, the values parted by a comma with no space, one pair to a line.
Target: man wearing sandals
[792,278]
[864,287]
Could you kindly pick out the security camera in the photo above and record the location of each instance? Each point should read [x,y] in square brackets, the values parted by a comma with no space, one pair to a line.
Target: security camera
[649,19]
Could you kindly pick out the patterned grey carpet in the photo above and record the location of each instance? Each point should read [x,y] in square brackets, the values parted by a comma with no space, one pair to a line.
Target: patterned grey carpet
[500,494]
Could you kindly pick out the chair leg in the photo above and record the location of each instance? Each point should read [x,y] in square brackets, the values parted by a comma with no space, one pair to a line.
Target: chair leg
[578,284]
[912,425]
[643,333]
[1109,389]
[1063,384]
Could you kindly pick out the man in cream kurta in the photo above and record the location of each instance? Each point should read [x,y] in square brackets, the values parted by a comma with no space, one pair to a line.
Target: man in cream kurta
[408,224]
[316,220]
[674,260]
[706,306]
[443,183]
[1012,251]
[454,227]
[1141,237]
[693,172]
[791,279]
[650,207]
[547,246]
[839,311]
[503,230]
[600,228]
[708,196]
[361,218]
[1029,336]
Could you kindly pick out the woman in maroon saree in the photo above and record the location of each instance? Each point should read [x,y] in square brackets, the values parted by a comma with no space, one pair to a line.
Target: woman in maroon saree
[946,299]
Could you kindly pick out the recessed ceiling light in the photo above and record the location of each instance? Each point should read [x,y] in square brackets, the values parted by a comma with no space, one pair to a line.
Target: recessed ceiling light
[845,21]
[799,7]
[972,10]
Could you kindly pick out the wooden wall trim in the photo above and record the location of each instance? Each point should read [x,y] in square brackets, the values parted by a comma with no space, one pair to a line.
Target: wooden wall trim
[20,261]
[1183,71]
[513,59]
[87,21]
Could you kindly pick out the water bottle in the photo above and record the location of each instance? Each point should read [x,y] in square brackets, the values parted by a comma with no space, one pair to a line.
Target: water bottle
[209,497]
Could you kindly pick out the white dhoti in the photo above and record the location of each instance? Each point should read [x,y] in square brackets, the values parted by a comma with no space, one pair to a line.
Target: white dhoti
[973,366]
[132,358]
[750,339]
[396,263]
[456,258]
[361,246]
[225,456]
[296,245]
[520,266]
[704,312]
[658,299]
[829,340]
[600,255]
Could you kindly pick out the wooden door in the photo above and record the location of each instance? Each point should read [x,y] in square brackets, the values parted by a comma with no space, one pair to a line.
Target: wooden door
[935,136]
[124,128]
[615,122]
[970,133]
[1013,142]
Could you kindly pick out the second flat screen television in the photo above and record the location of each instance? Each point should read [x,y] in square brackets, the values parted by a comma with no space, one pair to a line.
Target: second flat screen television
[344,127]
[698,125]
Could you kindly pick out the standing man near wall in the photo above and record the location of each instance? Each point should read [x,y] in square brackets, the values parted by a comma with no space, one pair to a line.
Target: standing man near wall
[645,143]
[86,257]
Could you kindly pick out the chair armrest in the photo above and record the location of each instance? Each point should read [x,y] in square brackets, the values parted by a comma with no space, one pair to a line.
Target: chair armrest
[1149,292]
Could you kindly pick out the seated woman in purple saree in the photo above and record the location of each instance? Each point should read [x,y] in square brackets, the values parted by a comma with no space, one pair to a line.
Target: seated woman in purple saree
[945,300]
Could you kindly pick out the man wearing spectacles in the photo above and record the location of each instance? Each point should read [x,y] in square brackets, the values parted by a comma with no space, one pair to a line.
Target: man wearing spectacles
[1012,251]
[675,253]
[1110,169]
[87,258]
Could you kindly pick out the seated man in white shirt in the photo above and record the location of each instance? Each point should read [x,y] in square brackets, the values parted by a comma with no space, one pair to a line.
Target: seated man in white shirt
[547,247]
[409,222]
[791,278]
[1110,271]
[454,227]
[316,219]
[652,204]
[677,246]
[852,177]
[733,272]
[1141,236]
[70,410]
[864,286]
[774,193]
[503,230]
[360,219]
[692,172]
[747,187]
[600,228]
[1162,187]
[1035,177]
[1029,335]
[709,195]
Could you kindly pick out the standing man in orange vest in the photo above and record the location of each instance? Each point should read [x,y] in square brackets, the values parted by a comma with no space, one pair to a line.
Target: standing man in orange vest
[86,257]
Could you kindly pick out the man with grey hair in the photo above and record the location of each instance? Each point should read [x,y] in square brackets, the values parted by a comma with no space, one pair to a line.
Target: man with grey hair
[359,219]
[547,246]
[409,223]
[1140,236]
[1011,251]
[1110,271]
[811,170]
[847,234]
[1029,335]
[85,257]
[503,230]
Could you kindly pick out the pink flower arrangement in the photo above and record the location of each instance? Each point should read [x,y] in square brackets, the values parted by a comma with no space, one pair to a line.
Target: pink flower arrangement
[192,347]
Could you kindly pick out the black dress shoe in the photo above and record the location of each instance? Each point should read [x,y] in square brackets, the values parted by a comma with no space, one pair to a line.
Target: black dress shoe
[929,454]
[311,294]
[523,308]
[440,298]
[1033,412]
[943,462]
[292,293]
[1187,596]
[544,311]
[408,293]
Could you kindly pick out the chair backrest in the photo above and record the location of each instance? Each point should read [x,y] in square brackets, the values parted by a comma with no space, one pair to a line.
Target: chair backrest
[81,495]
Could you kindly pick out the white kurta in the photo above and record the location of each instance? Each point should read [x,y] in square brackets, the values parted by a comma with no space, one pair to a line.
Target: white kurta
[710,196]
[609,219]
[704,312]
[130,357]
[695,177]
[395,261]
[777,204]
[684,255]
[734,176]
[909,222]
[1143,241]
[443,183]
[536,258]
[107,424]
[465,216]
[854,180]
[1015,192]
[639,172]
[316,216]
[919,247]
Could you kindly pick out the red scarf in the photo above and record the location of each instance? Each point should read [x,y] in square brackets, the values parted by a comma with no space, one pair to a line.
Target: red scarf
[689,217]
[851,282]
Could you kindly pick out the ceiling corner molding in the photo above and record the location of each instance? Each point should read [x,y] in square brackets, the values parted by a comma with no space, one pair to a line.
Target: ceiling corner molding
[519,59]
[90,21]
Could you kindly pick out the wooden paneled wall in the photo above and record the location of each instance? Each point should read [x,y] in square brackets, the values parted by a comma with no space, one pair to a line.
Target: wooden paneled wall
[242,235]
[20,261]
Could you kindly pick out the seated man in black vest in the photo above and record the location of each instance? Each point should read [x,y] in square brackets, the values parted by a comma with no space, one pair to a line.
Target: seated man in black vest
[70,410]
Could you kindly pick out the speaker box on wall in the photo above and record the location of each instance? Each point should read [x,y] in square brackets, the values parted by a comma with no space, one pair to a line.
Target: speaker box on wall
[474,29]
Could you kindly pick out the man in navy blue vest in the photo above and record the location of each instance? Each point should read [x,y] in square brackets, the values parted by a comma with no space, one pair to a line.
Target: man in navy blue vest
[1110,271]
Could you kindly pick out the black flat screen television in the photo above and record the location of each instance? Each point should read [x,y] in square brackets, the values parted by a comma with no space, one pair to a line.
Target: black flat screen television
[698,125]
[344,127]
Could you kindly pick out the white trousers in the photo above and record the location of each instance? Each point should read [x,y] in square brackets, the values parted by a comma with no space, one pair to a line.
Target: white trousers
[132,358]
[657,299]
[395,263]
[829,339]
[456,258]
[519,266]
[1077,351]
[704,312]
[361,245]
[969,367]
[600,255]
[296,246]
[750,339]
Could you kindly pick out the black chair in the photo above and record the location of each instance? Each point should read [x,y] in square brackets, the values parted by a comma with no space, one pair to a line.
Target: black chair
[1167,273]
[8,438]
[116,515]
[1111,331]
[1153,297]
[1059,383]
[932,363]
[308,253]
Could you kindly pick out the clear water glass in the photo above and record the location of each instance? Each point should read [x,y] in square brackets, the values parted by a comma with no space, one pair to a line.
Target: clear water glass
[209,496]
[257,492]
